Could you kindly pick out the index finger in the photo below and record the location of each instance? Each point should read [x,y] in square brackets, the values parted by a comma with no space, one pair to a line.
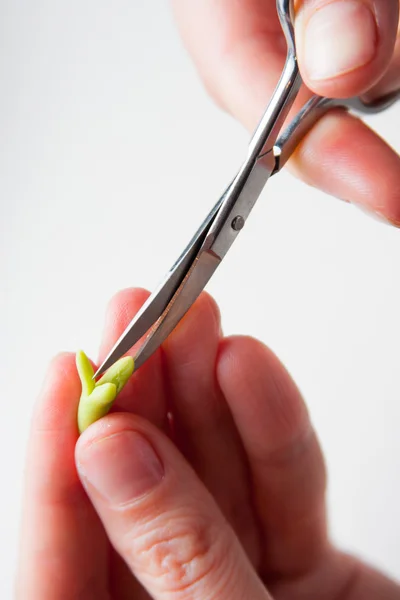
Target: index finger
[239,50]
[344,46]
[63,546]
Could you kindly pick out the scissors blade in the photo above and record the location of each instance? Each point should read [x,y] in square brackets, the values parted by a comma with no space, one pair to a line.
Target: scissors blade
[241,196]
[161,297]
[191,287]
[199,261]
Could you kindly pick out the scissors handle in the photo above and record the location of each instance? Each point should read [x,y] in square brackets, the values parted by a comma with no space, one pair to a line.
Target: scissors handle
[285,93]
[312,111]
[270,129]
[269,149]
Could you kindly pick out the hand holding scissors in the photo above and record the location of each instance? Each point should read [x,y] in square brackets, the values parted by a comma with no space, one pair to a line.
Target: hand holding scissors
[233,506]
[270,148]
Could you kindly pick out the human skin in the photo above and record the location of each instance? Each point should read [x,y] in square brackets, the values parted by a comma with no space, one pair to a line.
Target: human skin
[232,503]
[97,397]
[231,506]
[239,50]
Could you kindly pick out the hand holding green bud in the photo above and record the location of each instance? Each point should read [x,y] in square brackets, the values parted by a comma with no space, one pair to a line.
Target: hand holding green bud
[97,397]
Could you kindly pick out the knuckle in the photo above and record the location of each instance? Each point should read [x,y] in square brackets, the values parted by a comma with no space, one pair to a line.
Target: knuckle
[179,552]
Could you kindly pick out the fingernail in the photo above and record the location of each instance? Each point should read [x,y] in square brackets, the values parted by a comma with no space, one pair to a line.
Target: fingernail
[121,467]
[339,38]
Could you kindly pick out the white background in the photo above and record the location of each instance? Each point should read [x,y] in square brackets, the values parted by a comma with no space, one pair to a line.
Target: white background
[111,155]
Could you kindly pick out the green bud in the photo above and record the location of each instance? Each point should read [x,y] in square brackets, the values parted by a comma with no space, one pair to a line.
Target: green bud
[97,397]
[85,371]
[118,373]
[92,408]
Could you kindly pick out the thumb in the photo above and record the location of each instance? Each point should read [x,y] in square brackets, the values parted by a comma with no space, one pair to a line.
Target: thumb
[159,516]
[345,46]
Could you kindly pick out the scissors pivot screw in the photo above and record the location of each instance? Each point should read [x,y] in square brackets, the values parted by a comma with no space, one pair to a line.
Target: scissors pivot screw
[187,278]
[238,223]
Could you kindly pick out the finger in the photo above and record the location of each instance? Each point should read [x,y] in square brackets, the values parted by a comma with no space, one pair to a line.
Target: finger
[63,550]
[345,46]
[159,516]
[144,392]
[239,50]
[370,583]
[203,425]
[285,459]
[343,157]
[390,82]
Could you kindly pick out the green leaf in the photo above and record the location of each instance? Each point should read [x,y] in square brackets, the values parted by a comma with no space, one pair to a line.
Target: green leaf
[92,408]
[97,398]
[85,371]
[118,373]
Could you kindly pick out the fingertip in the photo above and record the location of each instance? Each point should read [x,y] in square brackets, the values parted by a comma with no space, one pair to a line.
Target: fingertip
[240,345]
[206,308]
[144,391]
[260,391]
[339,155]
[190,353]
[115,424]
[239,352]
[127,296]
[60,363]
[111,424]
[344,47]
[234,353]
[210,306]
[122,458]
[57,401]
[198,331]
[120,311]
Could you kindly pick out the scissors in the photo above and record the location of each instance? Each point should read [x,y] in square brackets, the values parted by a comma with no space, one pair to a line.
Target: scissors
[268,152]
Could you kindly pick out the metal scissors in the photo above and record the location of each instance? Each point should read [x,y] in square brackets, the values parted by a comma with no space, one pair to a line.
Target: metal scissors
[268,151]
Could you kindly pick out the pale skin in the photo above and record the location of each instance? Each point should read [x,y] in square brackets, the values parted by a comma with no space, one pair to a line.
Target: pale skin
[228,504]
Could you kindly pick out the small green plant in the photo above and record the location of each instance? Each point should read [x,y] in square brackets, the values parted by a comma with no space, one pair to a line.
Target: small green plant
[97,397]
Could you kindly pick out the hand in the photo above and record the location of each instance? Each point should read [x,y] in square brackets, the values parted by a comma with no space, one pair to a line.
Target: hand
[345,48]
[222,500]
